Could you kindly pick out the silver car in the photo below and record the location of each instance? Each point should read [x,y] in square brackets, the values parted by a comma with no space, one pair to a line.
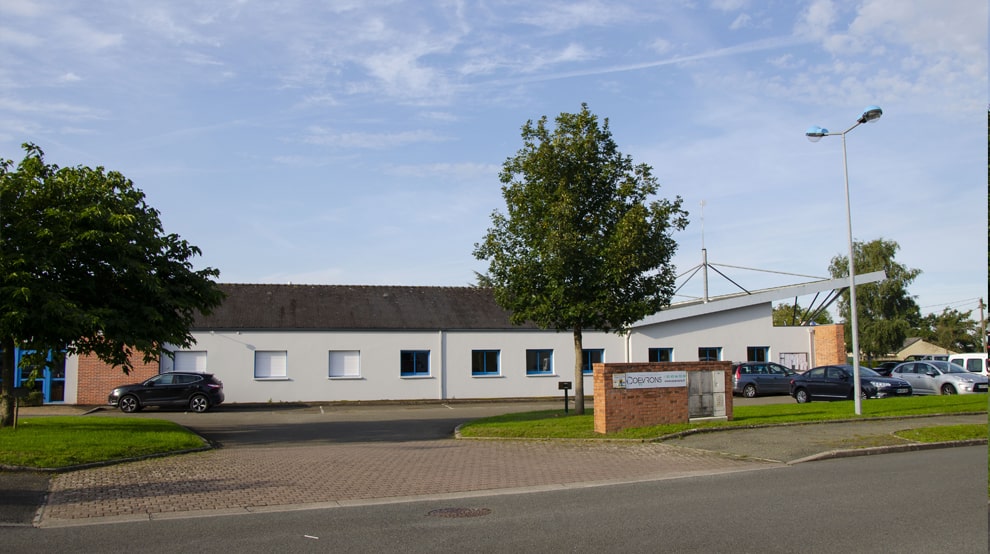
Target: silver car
[938,377]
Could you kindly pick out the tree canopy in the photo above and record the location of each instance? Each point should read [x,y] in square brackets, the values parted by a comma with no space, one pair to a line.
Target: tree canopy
[87,268]
[584,243]
[887,313]
[786,315]
[952,330]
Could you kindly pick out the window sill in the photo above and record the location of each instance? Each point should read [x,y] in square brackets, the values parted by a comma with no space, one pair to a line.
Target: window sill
[486,376]
[542,375]
[415,377]
[346,378]
[272,379]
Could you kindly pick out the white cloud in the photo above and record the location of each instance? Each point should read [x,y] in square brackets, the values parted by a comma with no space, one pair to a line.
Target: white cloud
[327,137]
[741,22]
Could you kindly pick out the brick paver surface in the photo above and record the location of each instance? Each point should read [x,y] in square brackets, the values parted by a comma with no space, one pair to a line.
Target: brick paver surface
[259,478]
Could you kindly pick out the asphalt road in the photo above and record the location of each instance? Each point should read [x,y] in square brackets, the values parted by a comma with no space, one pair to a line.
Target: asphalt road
[932,501]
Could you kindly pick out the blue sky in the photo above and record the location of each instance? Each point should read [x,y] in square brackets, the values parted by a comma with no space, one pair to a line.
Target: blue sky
[359,141]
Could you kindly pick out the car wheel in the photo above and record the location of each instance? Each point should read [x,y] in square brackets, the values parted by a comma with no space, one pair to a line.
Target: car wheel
[129,404]
[802,396]
[948,389]
[749,391]
[199,403]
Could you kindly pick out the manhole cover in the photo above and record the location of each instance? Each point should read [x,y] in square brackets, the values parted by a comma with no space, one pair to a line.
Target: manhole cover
[459,512]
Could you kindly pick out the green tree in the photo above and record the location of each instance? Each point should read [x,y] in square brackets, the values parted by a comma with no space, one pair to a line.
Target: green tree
[787,315]
[887,313]
[582,245]
[86,268]
[953,330]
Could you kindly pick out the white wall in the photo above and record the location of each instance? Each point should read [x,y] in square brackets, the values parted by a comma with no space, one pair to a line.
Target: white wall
[733,331]
[230,356]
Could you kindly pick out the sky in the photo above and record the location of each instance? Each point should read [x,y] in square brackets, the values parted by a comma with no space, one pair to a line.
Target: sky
[360,141]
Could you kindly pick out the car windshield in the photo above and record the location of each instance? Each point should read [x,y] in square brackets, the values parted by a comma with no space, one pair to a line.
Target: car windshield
[948,367]
[867,372]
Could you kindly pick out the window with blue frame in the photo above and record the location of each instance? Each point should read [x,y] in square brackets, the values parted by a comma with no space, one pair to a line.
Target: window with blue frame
[757,353]
[484,362]
[589,357]
[709,354]
[539,362]
[661,355]
[414,363]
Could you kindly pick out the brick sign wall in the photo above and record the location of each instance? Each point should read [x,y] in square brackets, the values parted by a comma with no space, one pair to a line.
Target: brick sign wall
[622,408]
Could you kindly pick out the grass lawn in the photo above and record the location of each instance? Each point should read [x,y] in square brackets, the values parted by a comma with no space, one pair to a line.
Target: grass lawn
[53,442]
[555,424]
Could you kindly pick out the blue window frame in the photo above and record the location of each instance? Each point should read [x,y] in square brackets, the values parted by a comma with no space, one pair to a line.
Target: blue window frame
[709,353]
[484,362]
[414,363]
[757,353]
[661,355]
[591,356]
[539,362]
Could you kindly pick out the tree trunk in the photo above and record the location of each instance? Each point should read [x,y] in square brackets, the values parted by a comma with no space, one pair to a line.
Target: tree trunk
[578,373]
[7,386]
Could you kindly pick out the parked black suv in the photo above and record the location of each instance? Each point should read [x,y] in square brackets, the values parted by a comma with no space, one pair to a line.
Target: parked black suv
[754,378]
[197,391]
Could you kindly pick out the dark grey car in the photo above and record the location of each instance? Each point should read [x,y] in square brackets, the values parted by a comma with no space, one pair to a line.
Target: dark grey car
[751,379]
[196,391]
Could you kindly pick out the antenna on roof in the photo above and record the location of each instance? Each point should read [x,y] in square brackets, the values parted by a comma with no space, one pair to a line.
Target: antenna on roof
[704,253]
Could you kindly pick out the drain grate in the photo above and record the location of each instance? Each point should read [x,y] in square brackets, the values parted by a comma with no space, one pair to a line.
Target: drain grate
[459,512]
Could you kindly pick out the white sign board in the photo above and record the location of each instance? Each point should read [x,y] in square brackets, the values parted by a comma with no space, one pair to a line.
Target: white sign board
[649,380]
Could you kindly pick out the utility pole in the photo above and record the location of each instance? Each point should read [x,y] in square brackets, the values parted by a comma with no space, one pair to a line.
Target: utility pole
[983,328]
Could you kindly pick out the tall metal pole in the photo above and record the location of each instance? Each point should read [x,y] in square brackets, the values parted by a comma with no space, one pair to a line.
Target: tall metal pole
[854,313]
[814,134]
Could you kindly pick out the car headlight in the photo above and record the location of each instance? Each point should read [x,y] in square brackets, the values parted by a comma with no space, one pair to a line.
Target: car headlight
[880,384]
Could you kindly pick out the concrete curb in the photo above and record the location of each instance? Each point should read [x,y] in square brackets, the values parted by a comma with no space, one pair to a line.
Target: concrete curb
[869,451]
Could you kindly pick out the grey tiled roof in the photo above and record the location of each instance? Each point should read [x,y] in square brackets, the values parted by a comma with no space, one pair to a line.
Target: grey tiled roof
[346,307]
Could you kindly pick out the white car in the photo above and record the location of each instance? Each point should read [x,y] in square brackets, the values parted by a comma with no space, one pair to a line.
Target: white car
[938,377]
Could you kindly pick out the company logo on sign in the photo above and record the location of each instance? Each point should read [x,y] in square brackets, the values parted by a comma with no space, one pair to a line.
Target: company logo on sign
[650,380]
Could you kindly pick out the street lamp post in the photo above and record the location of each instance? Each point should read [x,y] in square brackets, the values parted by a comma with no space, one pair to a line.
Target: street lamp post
[815,134]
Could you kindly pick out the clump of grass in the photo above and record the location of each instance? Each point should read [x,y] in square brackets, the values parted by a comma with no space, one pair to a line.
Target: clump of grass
[62,441]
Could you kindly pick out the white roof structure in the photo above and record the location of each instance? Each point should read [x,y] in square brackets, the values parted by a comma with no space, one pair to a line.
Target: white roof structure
[693,308]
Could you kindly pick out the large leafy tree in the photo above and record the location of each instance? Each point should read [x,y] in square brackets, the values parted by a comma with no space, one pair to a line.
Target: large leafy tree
[584,243]
[887,313]
[86,268]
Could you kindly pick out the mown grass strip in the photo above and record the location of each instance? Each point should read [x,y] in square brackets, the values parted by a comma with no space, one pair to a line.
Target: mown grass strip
[554,424]
[62,441]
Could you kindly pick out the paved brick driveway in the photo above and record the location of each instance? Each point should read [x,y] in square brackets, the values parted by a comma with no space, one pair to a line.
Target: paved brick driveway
[319,464]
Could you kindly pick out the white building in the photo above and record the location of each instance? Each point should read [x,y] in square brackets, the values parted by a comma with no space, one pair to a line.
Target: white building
[330,343]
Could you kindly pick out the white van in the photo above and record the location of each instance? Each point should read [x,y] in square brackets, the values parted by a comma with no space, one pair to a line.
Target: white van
[977,363]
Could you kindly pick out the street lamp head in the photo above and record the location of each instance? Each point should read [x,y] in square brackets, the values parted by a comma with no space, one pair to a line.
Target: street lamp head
[872,113]
[815,134]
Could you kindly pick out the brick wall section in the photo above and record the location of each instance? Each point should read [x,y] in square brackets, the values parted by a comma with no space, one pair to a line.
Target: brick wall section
[830,344]
[97,379]
[617,409]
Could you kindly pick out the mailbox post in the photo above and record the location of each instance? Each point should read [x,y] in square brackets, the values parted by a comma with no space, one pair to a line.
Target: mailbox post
[564,386]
